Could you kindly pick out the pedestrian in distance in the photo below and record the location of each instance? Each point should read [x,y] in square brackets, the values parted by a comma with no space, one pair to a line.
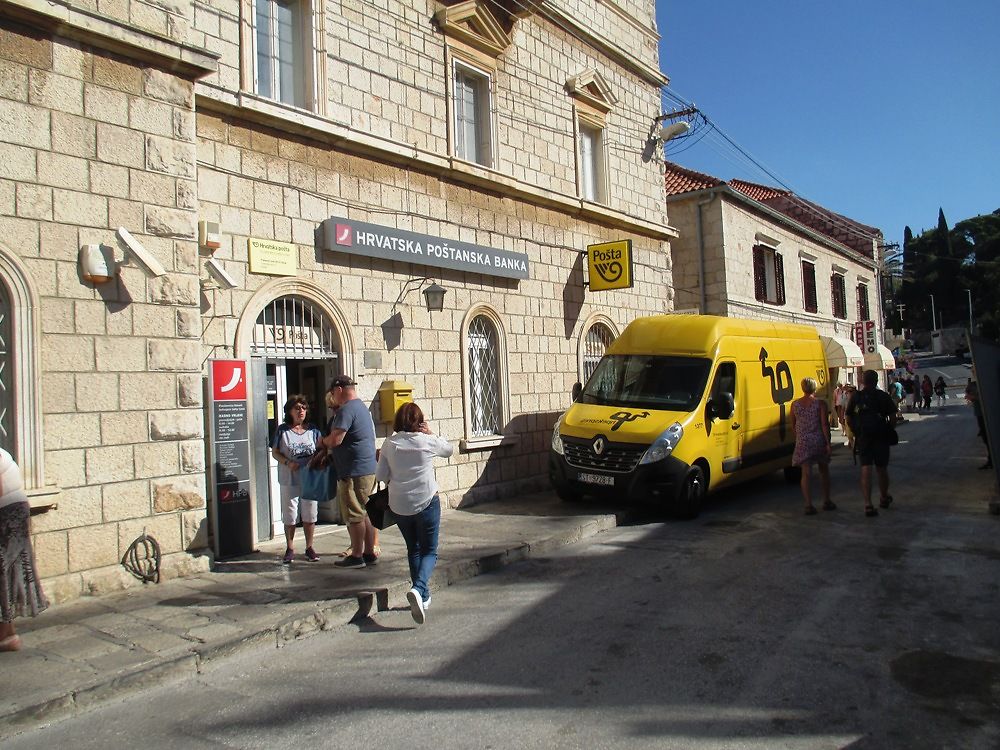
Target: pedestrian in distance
[926,392]
[351,441]
[20,591]
[870,413]
[909,388]
[941,391]
[406,464]
[896,392]
[811,426]
[840,399]
[294,443]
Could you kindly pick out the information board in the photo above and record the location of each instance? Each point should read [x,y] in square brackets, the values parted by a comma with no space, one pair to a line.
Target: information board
[232,506]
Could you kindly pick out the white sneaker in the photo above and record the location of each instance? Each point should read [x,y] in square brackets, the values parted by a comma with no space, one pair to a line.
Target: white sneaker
[416,606]
[427,604]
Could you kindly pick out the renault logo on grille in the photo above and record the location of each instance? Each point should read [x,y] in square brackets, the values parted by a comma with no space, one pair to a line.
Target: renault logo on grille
[599,445]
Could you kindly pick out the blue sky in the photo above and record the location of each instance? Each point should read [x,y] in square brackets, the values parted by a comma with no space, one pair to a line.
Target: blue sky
[882,110]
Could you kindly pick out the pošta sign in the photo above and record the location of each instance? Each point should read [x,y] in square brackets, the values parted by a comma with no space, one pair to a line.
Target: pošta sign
[387,243]
[609,265]
[232,515]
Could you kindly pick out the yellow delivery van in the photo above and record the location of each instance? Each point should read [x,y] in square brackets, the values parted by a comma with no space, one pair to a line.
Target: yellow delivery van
[683,404]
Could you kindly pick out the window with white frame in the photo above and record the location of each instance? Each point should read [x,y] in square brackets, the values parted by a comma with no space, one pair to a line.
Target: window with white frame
[485,383]
[592,165]
[473,121]
[768,275]
[595,343]
[283,51]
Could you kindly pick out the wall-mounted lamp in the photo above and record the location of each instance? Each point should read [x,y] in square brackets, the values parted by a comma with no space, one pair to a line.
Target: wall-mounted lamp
[673,130]
[97,263]
[434,296]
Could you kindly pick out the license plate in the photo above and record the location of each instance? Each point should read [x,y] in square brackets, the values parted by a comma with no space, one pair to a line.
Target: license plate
[596,479]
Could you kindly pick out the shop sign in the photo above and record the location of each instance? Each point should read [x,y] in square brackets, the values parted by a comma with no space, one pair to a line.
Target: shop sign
[232,516]
[272,258]
[866,337]
[609,265]
[387,243]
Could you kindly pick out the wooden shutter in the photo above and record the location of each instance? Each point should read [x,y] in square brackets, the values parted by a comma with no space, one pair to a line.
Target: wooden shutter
[779,279]
[759,274]
[809,297]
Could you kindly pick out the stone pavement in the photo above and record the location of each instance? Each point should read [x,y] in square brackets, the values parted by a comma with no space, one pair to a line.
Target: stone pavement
[91,650]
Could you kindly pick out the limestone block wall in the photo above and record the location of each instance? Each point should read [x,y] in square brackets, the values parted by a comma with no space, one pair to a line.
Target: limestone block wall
[741,224]
[381,70]
[257,183]
[90,142]
[687,257]
[629,25]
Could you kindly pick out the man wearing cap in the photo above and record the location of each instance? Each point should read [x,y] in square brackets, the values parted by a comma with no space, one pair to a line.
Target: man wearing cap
[352,444]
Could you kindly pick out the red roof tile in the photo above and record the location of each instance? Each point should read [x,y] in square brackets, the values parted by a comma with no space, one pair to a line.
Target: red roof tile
[757,192]
[680,180]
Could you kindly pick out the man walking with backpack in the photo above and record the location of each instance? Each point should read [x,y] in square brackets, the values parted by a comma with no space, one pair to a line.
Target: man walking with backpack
[869,413]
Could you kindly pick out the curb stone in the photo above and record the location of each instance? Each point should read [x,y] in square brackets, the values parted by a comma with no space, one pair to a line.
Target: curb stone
[309,620]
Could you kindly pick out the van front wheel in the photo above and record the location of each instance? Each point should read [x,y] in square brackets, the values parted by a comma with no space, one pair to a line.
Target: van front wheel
[691,494]
[566,494]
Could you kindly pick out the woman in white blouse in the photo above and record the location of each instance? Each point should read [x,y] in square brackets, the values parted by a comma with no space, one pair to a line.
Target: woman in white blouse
[406,463]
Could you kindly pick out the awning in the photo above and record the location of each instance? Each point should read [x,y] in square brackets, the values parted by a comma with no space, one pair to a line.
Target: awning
[842,352]
[880,359]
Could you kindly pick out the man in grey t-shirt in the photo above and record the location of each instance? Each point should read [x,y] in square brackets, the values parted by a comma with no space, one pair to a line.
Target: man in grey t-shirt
[352,444]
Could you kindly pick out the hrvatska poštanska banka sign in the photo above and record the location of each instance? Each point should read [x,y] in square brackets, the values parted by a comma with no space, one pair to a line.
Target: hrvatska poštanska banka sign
[388,243]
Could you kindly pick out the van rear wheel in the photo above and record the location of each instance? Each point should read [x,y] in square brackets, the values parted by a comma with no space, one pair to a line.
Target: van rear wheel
[691,494]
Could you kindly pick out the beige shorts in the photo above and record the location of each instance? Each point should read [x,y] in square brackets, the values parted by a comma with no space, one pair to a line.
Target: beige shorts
[352,495]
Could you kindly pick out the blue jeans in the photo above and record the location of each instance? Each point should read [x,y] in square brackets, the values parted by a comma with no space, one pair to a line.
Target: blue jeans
[420,532]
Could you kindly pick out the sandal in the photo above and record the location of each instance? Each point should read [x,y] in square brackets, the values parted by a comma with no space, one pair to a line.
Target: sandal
[810,510]
[885,502]
[829,505]
[870,511]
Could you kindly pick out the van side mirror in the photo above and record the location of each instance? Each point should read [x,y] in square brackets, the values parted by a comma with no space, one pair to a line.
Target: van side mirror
[577,390]
[723,406]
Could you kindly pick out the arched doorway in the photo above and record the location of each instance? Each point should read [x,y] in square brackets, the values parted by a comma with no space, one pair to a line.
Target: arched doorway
[296,343]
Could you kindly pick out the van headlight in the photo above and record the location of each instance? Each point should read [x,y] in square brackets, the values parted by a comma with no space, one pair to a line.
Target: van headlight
[557,443]
[664,445]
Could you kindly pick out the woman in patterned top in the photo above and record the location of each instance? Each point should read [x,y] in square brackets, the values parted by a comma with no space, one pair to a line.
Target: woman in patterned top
[20,591]
[811,425]
[292,447]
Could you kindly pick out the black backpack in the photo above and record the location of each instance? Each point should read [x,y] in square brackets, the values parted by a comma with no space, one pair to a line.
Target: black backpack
[868,421]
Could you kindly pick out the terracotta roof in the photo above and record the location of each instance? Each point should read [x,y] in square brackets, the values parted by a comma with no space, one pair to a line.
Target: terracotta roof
[842,229]
[680,180]
[757,192]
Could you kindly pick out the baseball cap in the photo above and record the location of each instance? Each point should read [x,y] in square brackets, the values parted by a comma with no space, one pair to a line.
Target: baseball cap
[342,381]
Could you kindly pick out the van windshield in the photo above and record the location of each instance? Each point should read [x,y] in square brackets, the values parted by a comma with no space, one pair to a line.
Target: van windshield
[648,381]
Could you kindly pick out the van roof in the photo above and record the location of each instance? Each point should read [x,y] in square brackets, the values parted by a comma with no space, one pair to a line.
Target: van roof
[698,334]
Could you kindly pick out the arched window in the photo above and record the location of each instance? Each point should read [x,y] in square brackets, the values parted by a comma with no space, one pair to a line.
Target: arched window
[595,342]
[485,378]
[20,415]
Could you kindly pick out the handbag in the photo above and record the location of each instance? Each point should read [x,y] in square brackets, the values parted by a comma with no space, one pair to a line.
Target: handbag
[315,483]
[378,509]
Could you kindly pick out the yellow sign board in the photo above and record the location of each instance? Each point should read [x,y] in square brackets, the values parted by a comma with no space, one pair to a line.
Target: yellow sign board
[609,265]
[272,258]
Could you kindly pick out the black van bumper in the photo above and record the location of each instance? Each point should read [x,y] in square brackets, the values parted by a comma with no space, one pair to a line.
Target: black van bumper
[653,483]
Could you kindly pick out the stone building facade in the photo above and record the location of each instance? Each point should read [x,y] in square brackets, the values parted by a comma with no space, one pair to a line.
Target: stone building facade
[235,142]
[752,251]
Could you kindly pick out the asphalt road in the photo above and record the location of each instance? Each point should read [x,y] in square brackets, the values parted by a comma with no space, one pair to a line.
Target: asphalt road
[750,627]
